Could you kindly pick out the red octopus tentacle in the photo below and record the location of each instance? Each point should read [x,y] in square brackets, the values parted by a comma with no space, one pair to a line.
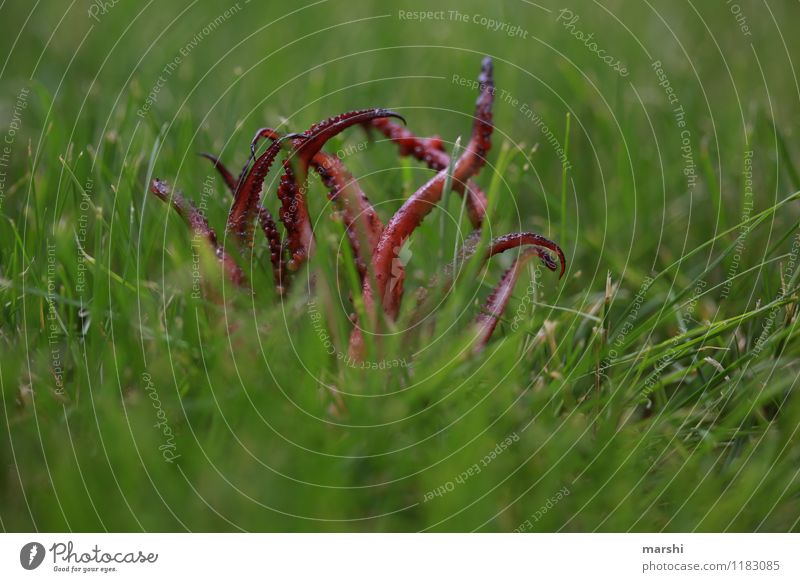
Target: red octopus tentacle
[319,133]
[263,133]
[247,196]
[268,226]
[496,303]
[361,221]
[224,173]
[477,203]
[427,150]
[431,152]
[294,215]
[276,254]
[232,183]
[519,239]
[199,225]
[542,247]
[423,200]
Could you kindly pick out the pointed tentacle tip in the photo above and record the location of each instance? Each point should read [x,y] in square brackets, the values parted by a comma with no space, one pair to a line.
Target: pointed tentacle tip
[486,76]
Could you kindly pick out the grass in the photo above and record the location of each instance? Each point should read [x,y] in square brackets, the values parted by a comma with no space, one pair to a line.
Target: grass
[655,383]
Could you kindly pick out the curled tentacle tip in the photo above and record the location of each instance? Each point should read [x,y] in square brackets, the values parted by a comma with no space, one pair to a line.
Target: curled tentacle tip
[390,113]
[562,260]
[548,259]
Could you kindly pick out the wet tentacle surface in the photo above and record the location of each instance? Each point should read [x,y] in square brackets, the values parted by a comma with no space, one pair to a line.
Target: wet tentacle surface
[292,186]
[247,197]
[420,204]
[362,223]
[431,151]
[374,245]
[496,303]
[200,227]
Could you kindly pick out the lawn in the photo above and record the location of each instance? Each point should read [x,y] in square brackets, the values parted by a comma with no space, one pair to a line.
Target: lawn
[652,388]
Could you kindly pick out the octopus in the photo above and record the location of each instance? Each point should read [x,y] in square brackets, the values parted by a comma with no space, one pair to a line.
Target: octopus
[375,245]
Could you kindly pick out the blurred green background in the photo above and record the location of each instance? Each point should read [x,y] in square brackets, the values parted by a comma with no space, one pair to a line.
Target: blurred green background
[680,417]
